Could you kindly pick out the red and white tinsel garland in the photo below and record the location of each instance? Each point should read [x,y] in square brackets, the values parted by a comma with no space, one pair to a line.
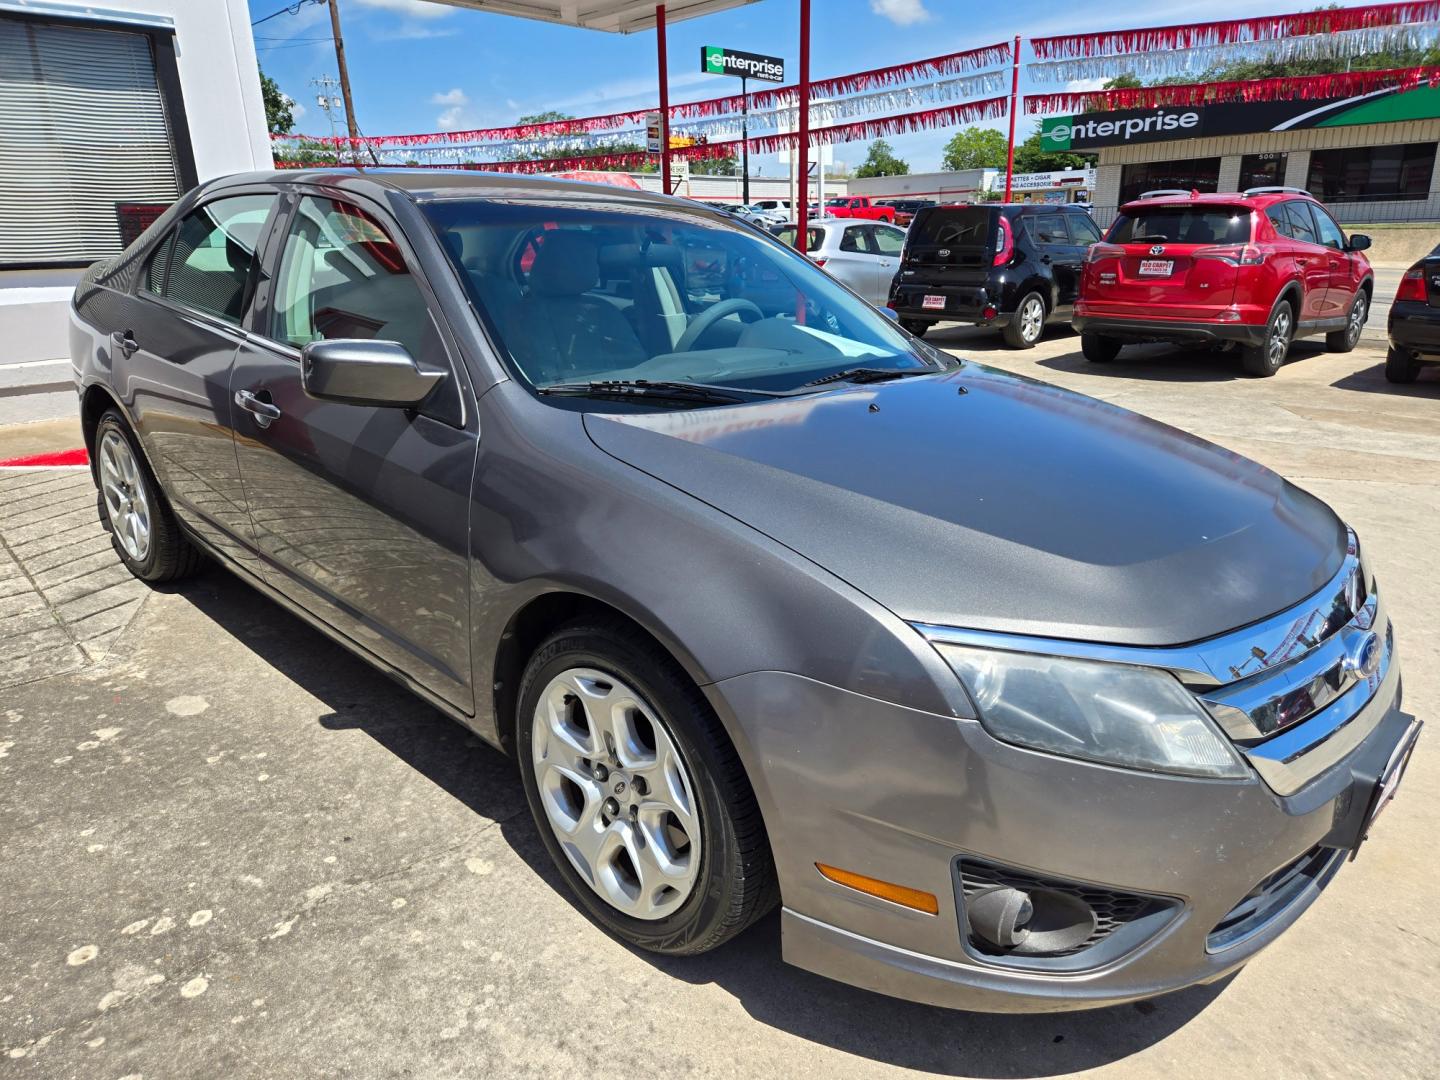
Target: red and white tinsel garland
[895,75]
[1293,88]
[1340,46]
[1231,31]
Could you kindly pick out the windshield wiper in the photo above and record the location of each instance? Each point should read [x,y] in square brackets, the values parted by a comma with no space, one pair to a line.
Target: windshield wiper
[669,390]
[866,375]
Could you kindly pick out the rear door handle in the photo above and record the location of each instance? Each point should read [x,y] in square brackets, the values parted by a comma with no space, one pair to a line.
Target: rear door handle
[265,412]
[124,340]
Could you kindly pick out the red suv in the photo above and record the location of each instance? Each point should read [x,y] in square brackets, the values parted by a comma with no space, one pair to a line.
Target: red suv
[1256,270]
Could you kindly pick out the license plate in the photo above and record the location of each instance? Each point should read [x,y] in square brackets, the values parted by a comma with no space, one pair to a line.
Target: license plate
[933,303]
[1386,786]
[1156,267]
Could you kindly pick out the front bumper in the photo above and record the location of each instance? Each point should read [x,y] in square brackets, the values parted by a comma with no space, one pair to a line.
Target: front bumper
[1170,331]
[928,789]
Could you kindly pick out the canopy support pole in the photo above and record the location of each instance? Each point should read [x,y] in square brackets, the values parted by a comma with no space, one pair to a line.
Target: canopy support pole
[1014,96]
[802,234]
[664,98]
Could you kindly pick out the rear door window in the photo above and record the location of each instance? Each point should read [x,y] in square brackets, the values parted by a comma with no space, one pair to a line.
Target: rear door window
[1182,225]
[1302,225]
[214,254]
[1281,220]
[1047,229]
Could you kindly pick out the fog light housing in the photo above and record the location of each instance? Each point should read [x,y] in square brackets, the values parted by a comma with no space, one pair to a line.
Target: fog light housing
[1042,922]
[1228,316]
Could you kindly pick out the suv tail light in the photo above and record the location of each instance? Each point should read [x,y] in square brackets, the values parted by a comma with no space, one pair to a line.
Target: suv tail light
[1096,252]
[1235,254]
[1007,242]
[1412,285]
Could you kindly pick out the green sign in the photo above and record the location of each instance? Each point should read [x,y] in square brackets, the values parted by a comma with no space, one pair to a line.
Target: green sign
[715,60]
[1055,133]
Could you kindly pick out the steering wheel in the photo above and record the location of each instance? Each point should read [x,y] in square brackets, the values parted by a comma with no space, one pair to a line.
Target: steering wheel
[710,316]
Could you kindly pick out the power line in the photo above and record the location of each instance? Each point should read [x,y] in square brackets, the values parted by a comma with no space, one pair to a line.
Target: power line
[291,9]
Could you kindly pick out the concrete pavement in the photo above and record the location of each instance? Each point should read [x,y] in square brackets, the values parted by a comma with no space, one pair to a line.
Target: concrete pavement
[232,849]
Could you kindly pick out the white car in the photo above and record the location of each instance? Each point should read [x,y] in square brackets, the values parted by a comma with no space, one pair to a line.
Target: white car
[865,255]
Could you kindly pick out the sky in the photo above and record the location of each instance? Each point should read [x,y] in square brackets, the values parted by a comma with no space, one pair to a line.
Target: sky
[419,66]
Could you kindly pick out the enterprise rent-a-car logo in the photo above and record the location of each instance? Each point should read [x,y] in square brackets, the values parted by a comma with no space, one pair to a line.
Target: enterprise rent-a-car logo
[1066,132]
[716,60]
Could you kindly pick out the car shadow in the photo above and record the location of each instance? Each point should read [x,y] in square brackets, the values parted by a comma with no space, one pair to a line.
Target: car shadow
[749,968]
[1372,380]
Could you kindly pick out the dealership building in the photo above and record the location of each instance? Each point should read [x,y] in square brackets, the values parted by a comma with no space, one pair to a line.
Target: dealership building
[1369,158]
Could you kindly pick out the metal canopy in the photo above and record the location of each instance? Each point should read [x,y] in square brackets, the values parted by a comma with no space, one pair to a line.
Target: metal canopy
[614,16]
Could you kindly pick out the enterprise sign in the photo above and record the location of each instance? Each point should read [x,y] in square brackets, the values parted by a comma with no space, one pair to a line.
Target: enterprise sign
[715,60]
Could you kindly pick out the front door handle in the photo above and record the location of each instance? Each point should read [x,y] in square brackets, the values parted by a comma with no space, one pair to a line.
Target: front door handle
[265,412]
[124,340]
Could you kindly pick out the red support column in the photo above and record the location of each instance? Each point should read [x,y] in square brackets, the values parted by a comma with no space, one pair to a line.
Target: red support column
[1014,96]
[802,234]
[664,98]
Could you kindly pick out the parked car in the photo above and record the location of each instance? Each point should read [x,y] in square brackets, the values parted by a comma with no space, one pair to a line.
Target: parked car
[905,209]
[863,255]
[1013,266]
[1096,718]
[859,206]
[1254,270]
[741,213]
[769,215]
[1415,321]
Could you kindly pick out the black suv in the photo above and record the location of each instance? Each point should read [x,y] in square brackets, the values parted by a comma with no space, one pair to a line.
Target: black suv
[1415,321]
[1013,266]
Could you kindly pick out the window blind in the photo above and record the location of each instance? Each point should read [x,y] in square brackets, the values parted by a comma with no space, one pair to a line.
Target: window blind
[82,129]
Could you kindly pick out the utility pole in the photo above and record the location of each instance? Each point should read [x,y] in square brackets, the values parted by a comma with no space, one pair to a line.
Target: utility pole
[345,83]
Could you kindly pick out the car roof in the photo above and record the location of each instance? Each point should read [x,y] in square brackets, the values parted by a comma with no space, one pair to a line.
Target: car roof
[424,185]
[1258,201]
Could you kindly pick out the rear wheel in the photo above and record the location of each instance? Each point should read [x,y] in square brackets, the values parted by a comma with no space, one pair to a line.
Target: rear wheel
[914,326]
[142,528]
[638,794]
[1401,366]
[1027,324]
[1264,360]
[1099,350]
[1346,340]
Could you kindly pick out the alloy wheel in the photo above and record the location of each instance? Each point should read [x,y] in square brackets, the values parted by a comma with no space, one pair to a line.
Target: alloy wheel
[1032,318]
[1358,311]
[124,493]
[1279,343]
[617,793]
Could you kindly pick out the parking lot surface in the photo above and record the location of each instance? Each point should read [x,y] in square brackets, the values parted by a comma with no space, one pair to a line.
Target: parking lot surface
[231,849]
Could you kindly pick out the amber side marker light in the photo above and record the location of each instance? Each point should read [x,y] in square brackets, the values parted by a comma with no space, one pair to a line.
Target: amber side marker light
[896,894]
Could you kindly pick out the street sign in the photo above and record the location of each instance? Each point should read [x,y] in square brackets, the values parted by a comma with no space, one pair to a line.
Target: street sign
[652,132]
[715,60]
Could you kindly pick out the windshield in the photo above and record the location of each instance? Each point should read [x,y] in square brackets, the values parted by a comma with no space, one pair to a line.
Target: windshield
[1182,225]
[580,292]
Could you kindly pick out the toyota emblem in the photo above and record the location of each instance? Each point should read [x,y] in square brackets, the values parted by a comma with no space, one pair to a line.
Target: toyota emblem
[1158,249]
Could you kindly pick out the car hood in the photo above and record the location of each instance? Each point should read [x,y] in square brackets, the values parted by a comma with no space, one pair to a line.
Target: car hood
[990,501]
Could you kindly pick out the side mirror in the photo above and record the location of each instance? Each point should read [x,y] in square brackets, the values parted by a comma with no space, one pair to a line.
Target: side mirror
[361,372]
[890,314]
[1358,242]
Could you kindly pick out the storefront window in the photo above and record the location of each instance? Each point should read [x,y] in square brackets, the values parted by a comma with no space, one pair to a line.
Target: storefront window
[1262,170]
[1197,174]
[1372,172]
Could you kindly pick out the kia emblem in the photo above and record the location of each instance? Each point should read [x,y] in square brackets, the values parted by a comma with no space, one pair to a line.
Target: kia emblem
[944,252]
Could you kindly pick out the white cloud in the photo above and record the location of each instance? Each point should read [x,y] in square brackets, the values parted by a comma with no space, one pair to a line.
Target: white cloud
[455,97]
[901,12]
[449,120]
[415,9]
[297,111]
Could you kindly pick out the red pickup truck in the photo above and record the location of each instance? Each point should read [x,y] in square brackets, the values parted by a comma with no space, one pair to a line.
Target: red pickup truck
[859,206]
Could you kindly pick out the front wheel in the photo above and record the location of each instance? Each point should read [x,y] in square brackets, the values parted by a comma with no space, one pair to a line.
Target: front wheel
[1346,340]
[1027,324]
[1264,360]
[638,794]
[1401,366]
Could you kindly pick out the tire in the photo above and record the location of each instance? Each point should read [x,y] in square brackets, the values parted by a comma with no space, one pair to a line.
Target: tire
[1097,349]
[1027,324]
[1401,366]
[134,510]
[1266,359]
[914,327]
[570,783]
[1343,341]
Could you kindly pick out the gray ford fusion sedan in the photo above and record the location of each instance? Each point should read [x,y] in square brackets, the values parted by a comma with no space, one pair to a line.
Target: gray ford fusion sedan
[1011,699]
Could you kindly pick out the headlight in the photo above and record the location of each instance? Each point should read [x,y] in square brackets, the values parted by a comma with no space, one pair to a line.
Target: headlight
[1122,715]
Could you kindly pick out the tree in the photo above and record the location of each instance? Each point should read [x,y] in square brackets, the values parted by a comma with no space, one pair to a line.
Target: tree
[881,161]
[974,148]
[278,115]
[1032,157]
[550,117]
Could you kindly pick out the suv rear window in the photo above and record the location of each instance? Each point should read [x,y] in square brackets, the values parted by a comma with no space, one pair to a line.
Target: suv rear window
[1182,225]
[959,227]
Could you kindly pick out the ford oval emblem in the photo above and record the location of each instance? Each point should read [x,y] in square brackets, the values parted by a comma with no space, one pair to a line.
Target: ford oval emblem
[1363,654]
[1158,249]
